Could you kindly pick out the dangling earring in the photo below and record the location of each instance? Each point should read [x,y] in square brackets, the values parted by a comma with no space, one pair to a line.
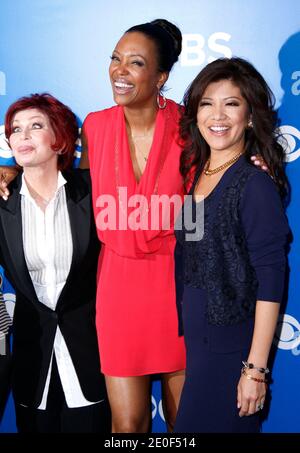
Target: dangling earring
[163,105]
[250,124]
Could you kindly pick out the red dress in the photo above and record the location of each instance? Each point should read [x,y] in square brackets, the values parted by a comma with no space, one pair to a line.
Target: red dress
[136,315]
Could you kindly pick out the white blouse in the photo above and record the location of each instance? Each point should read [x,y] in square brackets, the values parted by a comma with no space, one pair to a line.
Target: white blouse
[48,249]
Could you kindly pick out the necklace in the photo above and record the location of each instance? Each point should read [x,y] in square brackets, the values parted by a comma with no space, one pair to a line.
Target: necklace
[209,172]
[39,199]
[162,158]
[133,139]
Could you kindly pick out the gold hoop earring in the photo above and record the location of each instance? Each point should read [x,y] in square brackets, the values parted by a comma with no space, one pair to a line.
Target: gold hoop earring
[163,105]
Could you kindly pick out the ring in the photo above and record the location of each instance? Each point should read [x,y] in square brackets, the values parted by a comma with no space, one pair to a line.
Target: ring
[259,407]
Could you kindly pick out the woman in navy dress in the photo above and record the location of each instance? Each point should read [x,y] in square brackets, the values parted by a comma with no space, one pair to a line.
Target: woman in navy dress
[233,273]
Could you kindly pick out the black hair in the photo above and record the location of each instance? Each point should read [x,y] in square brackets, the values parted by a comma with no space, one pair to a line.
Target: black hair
[261,139]
[167,38]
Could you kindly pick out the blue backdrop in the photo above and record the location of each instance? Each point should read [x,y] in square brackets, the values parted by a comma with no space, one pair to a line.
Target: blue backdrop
[63,47]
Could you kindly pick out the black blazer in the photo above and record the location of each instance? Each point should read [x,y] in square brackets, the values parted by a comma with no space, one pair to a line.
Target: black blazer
[35,324]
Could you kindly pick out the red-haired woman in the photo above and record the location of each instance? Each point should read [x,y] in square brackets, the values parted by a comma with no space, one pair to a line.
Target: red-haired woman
[49,249]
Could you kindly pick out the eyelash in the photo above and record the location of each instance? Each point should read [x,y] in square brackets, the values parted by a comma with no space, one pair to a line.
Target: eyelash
[17,129]
[230,104]
[136,62]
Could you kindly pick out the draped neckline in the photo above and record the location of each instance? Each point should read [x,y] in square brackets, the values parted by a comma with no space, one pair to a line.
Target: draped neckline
[127,194]
[149,180]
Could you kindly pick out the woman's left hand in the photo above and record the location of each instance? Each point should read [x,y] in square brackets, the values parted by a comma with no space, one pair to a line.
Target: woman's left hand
[250,394]
[259,162]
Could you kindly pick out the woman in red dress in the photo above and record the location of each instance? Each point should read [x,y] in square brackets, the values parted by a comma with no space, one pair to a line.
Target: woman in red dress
[134,155]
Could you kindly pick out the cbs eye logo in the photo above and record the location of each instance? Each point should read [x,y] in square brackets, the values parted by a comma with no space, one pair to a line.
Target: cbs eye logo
[5,151]
[10,300]
[287,336]
[157,407]
[290,140]
[78,147]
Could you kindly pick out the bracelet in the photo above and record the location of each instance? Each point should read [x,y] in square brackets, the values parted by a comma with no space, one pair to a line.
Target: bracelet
[248,376]
[251,366]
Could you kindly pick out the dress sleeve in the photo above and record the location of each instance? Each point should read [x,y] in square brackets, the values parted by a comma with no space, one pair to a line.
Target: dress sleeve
[266,231]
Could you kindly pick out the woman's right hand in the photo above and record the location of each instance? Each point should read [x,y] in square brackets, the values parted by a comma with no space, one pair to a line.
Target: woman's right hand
[250,394]
[7,174]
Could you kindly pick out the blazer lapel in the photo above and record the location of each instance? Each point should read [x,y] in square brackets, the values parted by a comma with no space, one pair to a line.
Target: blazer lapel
[12,228]
[80,215]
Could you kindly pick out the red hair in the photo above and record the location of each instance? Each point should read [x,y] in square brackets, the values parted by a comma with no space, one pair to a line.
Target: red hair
[62,120]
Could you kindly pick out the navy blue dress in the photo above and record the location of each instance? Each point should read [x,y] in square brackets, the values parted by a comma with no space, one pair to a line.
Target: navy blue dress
[215,352]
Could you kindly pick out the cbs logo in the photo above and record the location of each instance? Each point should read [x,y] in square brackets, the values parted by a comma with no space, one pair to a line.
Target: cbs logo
[5,151]
[78,147]
[290,140]
[157,408]
[287,335]
[10,300]
[296,85]
[193,45]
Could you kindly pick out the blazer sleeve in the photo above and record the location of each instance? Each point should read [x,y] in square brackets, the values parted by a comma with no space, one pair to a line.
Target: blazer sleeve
[266,230]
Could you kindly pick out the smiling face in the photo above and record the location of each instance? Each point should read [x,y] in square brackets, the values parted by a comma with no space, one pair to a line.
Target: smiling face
[133,71]
[32,138]
[222,117]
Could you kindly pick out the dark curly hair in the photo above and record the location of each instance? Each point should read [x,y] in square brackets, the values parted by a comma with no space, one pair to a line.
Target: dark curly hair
[261,139]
